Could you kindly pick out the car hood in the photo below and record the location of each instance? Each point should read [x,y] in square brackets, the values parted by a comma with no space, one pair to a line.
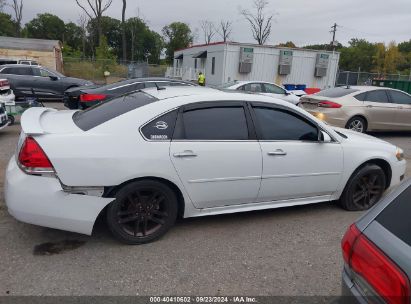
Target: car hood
[359,137]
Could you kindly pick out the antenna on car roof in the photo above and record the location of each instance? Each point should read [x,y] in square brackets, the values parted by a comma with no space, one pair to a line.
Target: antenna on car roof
[159,88]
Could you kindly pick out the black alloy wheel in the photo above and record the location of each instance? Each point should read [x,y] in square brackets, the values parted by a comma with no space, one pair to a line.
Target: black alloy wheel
[142,212]
[364,189]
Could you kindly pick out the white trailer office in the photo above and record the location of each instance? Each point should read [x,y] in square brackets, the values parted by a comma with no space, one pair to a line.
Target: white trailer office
[228,61]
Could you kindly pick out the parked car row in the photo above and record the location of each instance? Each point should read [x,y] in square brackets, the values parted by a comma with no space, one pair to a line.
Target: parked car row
[205,152]
[85,97]
[361,108]
[48,85]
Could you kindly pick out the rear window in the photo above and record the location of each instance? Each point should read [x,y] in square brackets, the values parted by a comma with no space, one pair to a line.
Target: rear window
[104,112]
[396,217]
[336,92]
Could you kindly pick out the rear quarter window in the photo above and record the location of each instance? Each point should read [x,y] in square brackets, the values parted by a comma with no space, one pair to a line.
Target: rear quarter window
[103,112]
[396,217]
[160,128]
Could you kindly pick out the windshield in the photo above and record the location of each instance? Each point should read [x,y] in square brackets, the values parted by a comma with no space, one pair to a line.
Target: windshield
[53,72]
[336,92]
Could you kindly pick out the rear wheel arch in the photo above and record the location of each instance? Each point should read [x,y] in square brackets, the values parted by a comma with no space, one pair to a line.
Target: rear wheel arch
[111,191]
[358,116]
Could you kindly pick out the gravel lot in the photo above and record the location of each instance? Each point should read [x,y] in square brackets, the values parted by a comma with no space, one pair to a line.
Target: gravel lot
[291,251]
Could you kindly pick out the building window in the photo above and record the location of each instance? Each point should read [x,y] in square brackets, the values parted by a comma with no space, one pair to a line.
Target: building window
[195,63]
[213,66]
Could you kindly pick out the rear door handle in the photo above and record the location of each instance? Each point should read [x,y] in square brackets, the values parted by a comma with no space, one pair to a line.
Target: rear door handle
[277,152]
[186,153]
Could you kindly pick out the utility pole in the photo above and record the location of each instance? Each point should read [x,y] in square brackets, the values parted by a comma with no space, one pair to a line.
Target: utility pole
[334,31]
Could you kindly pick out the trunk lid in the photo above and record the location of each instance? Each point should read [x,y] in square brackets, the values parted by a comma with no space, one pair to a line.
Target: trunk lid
[38,121]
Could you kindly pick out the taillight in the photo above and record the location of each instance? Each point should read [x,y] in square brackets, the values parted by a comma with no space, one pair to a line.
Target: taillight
[32,158]
[329,104]
[4,83]
[92,97]
[372,265]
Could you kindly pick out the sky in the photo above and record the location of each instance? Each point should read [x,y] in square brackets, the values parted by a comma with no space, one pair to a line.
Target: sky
[301,21]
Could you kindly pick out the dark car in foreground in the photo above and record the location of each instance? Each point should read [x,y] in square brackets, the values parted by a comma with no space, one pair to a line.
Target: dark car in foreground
[377,252]
[85,97]
[47,84]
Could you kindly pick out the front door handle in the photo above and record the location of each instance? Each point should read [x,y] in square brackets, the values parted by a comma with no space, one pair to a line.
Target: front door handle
[186,153]
[400,107]
[369,106]
[277,152]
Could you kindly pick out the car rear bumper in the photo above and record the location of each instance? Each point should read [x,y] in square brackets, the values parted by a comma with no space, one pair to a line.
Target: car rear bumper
[334,117]
[40,200]
[349,292]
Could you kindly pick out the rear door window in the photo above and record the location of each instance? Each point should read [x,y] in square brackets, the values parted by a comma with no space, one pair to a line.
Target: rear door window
[215,123]
[253,87]
[103,112]
[379,96]
[396,217]
[270,88]
[400,98]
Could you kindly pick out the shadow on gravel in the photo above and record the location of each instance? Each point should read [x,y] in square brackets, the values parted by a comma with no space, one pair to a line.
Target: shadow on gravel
[57,247]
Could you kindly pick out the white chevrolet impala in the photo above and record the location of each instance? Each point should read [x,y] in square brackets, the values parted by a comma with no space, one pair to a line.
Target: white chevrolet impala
[144,159]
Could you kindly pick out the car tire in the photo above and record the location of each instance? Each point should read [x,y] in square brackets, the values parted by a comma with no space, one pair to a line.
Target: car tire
[364,189]
[11,119]
[142,212]
[357,124]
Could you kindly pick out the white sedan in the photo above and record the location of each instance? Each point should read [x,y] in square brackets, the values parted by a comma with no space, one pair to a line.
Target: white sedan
[263,88]
[144,159]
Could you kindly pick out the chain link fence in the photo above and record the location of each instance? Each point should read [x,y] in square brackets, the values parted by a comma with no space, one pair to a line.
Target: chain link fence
[95,69]
[365,78]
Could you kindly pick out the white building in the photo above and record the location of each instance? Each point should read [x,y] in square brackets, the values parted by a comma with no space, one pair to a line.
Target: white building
[224,62]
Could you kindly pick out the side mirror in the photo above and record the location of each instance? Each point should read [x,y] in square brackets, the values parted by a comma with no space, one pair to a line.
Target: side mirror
[54,78]
[324,137]
[287,93]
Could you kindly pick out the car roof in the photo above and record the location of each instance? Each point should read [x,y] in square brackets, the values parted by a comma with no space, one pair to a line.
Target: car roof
[16,65]
[209,94]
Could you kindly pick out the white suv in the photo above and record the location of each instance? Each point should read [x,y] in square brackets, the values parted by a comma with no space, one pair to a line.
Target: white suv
[148,157]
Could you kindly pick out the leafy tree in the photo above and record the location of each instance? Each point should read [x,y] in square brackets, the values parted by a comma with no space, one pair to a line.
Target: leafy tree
[379,58]
[73,36]
[359,55]
[177,35]
[405,47]
[288,44]
[46,26]
[70,52]
[111,29]
[143,43]
[7,25]
[392,58]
